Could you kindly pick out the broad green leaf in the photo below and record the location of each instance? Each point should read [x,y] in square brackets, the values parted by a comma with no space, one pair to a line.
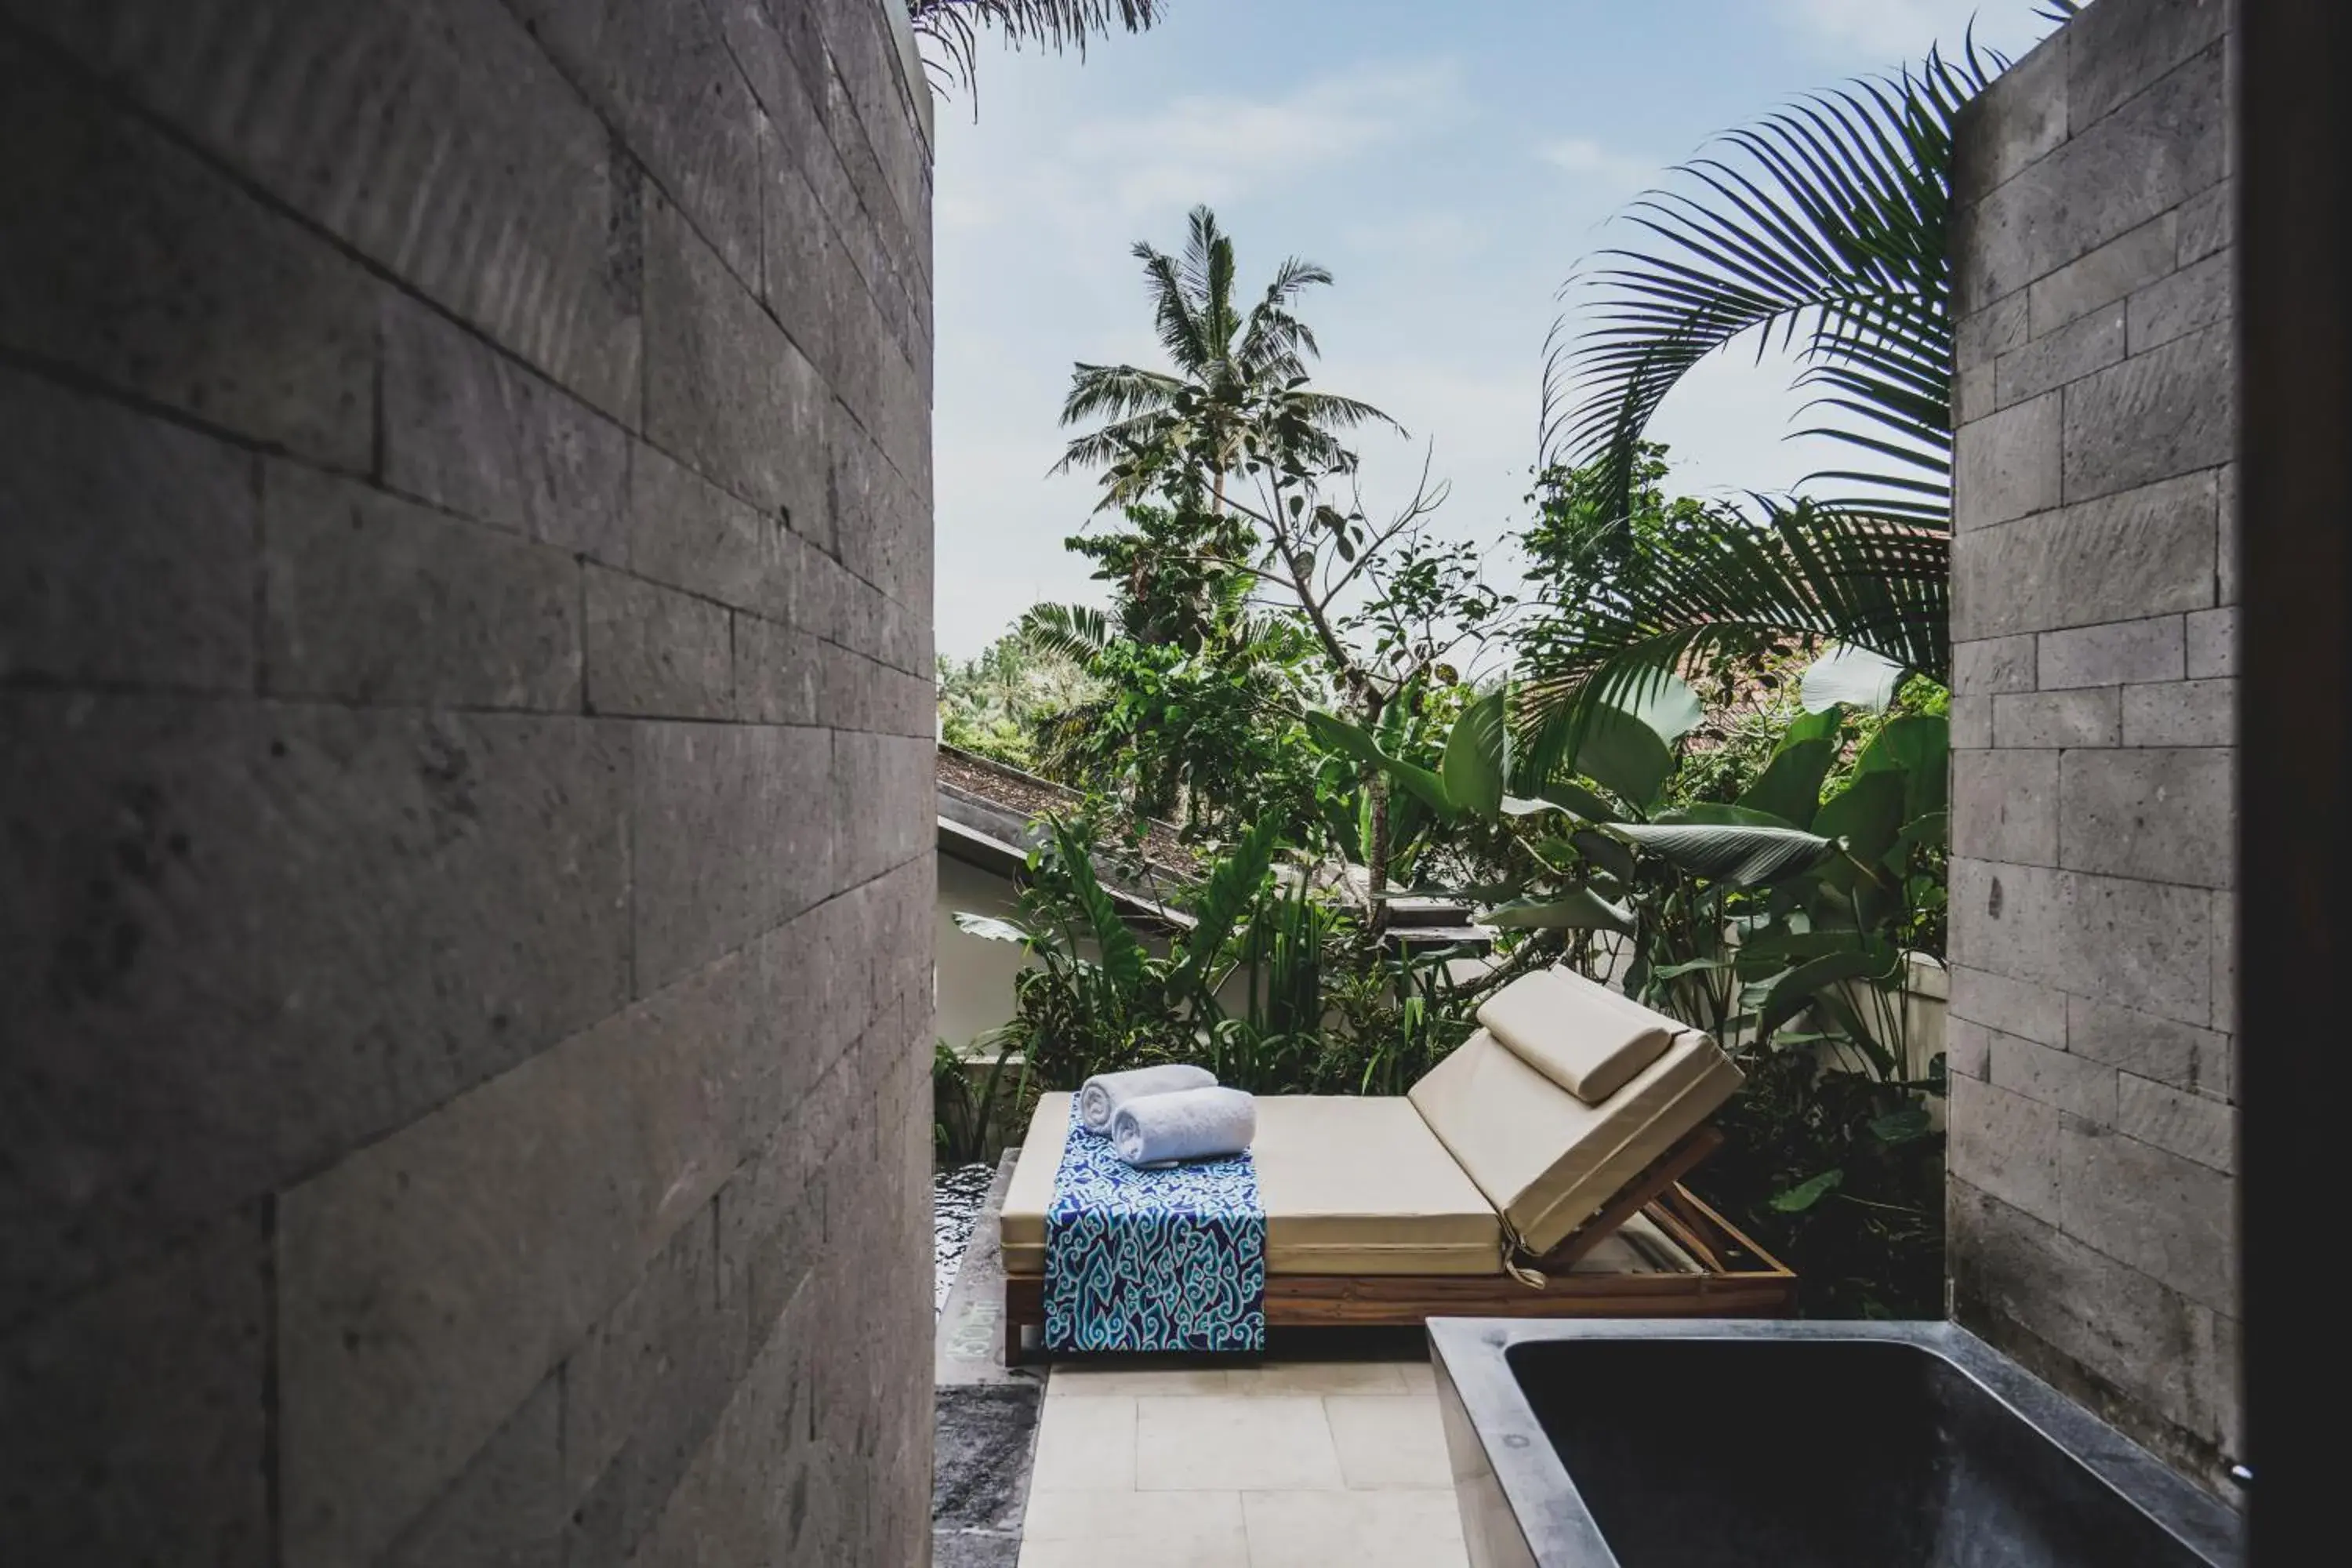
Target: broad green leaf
[1790,788]
[1740,856]
[1902,1126]
[1664,704]
[1623,755]
[1716,814]
[1232,887]
[1122,958]
[1919,746]
[1821,726]
[1798,989]
[1854,677]
[1353,740]
[1867,814]
[990,927]
[1806,1193]
[1477,757]
[1577,800]
[1689,966]
[1579,909]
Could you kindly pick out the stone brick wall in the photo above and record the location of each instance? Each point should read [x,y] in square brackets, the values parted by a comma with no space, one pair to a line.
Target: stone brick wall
[466,777]
[2094,884]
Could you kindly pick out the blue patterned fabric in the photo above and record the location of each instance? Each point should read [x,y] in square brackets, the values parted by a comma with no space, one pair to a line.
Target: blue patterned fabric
[1169,1259]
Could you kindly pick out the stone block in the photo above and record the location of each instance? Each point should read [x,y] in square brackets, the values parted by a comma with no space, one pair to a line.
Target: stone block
[458,160]
[139,1430]
[1975,393]
[2005,805]
[2004,1144]
[2212,643]
[2192,1126]
[2007,464]
[2145,551]
[2091,717]
[2020,119]
[689,533]
[2226,554]
[2126,49]
[2157,151]
[663,77]
[2107,275]
[2224,926]
[800,254]
[778,673]
[2011,1005]
[405,1340]
[128,555]
[2182,713]
[2168,412]
[2146,1047]
[2194,298]
[1968,1048]
[2209,222]
[2069,353]
[2073,1084]
[2144,944]
[726,392]
[2122,653]
[1988,333]
[2169,816]
[215,910]
[643,1392]
[2164,1353]
[772,1227]
[2170,1218]
[143,269]
[656,652]
[506,1509]
[725,842]
[371,599]
[473,432]
[1972,722]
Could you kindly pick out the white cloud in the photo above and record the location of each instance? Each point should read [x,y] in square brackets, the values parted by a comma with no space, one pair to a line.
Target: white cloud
[1892,32]
[1590,161]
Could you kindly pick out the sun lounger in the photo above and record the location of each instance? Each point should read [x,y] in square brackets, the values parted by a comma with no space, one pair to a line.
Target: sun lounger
[1488,1191]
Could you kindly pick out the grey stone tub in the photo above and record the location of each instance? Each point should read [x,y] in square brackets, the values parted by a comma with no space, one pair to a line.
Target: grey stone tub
[1798,1445]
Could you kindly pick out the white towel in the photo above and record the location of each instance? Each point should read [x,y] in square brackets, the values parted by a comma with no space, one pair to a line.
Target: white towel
[1100,1096]
[1188,1124]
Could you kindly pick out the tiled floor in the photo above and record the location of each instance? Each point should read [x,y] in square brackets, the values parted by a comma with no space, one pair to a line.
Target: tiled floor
[1287,1465]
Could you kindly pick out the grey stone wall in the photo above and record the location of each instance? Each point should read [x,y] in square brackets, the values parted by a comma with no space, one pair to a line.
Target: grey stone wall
[2093,881]
[466,777]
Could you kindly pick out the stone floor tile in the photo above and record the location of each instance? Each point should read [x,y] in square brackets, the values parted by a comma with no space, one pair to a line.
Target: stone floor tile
[1076,1380]
[1389,1442]
[1085,1444]
[1420,1377]
[1362,1529]
[1141,1527]
[1318,1377]
[1226,1443]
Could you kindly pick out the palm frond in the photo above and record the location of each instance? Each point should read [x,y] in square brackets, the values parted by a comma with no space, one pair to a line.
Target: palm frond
[948,31]
[1821,229]
[1069,631]
[1800,571]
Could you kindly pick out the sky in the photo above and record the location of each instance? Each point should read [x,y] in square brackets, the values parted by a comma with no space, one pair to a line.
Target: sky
[1451,165]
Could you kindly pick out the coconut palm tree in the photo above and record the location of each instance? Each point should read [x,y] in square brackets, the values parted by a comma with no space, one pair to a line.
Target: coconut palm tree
[1823,228]
[1233,378]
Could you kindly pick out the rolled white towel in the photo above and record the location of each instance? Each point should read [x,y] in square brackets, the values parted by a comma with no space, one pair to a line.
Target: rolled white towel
[1188,1124]
[1100,1096]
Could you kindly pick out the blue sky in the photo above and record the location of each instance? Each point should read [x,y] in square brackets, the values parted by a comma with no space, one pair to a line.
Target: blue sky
[1449,163]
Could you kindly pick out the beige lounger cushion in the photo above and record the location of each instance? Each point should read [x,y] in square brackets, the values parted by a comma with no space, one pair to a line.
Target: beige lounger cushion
[1585,1037]
[1548,1161]
[1350,1185]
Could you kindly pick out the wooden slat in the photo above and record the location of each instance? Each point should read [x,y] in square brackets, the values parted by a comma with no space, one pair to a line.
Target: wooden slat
[1636,1196]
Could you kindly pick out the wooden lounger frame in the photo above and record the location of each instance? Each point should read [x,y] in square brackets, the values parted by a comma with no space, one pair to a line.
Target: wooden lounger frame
[1737,1279]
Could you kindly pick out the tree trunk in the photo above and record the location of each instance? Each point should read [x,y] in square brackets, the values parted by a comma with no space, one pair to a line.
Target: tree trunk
[1375,856]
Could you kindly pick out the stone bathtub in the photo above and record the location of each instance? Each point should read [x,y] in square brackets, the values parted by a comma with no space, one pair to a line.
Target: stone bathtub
[1802,1444]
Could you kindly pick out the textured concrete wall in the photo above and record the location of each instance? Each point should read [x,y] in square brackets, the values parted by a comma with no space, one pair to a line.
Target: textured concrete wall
[2094,884]
[466,775]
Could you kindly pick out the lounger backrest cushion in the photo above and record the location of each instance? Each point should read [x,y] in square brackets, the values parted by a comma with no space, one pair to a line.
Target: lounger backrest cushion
[1545,1159]
[1583,1036]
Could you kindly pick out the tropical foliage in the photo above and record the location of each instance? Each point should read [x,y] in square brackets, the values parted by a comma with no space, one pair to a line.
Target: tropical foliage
[948,32]
[1822,229]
